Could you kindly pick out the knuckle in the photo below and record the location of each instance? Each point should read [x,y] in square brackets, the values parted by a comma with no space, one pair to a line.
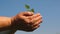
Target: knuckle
[38,13]
[41,16]
[41,21]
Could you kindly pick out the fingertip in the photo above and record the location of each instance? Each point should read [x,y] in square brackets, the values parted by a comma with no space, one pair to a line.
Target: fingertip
[38,13]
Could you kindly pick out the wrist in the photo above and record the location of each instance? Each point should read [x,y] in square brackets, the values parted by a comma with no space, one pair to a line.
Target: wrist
[14,22]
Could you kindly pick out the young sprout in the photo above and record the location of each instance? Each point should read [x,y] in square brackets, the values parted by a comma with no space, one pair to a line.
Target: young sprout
[28,8]
[32,10]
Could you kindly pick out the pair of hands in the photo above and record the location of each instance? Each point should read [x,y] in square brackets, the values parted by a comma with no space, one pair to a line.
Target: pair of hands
[27,21]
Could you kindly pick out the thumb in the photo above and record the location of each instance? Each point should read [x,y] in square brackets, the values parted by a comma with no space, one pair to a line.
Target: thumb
[28,13]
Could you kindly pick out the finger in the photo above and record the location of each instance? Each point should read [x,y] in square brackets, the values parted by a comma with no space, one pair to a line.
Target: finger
[36,19]
[36,15]
[28,13]
[32,29]
[35,27]
[37,23]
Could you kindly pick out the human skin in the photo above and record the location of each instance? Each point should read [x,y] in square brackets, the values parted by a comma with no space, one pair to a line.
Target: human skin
[25,21]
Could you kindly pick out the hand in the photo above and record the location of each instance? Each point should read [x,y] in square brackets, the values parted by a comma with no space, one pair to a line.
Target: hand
[27,21]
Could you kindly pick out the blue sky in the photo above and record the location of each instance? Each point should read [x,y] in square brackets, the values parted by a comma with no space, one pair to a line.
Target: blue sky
[49,9]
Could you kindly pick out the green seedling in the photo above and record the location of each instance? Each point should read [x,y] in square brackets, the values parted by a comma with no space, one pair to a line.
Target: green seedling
[28,8]
[32,10]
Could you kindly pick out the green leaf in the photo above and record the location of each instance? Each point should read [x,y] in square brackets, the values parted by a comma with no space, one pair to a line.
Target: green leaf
[27,6]
[32,10]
